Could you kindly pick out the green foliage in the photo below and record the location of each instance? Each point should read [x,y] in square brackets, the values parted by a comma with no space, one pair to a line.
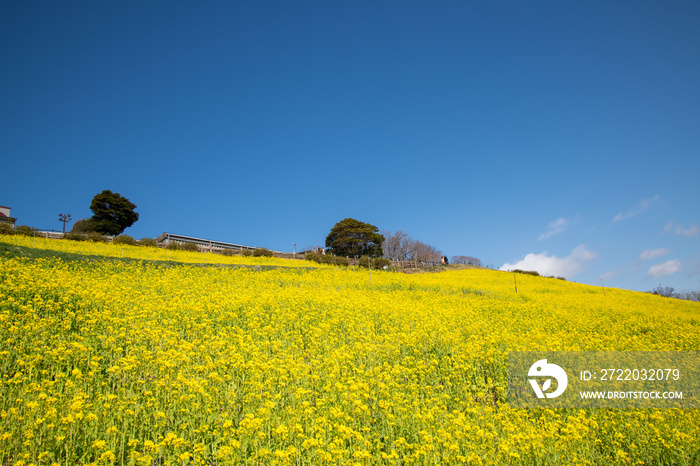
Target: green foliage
[6,229]
[326,259]
[229,252]
[124,239]
[527,272]
[84,225]
[173,246]
[189,247]
[247,252]
[381,262]
[93,236]
[364,261]
[350,237]
[112,213]
[262,252]
[377,262]
[26,231]
[150,242]
[76,236]
[96,237]
[340,260]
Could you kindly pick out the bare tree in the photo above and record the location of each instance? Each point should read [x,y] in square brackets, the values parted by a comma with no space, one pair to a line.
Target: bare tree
[668,292]
[399,246]
[396,245]
[691,296]
[466,260]
[425,253]
[663,291]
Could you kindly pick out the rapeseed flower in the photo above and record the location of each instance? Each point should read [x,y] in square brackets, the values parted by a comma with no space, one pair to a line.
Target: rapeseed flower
[114,362]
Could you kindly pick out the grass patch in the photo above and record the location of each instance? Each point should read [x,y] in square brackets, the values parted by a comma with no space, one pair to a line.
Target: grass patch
[25,252]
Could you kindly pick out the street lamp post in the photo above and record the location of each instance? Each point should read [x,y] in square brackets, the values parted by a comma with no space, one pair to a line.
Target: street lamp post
[64,218]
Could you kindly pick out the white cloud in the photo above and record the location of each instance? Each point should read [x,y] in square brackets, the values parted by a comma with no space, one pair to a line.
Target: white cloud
[553,265]
[638,209]
[667,268]
[692,230]
[652,253]
[555,227]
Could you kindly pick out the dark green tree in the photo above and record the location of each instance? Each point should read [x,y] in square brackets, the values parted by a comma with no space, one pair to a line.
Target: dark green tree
[84,225]
[350,237]
[112,213]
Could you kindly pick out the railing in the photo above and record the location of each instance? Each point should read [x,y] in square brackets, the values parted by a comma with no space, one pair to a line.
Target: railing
[404,264]
[51,234]
[212,248]
[414,264]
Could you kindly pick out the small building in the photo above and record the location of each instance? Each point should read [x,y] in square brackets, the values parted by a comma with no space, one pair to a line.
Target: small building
[204,244]
[5,216]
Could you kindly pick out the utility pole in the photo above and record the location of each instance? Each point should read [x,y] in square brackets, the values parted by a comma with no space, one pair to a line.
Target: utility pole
[64,218]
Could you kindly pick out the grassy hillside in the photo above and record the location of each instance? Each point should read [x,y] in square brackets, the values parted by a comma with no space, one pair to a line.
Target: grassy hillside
[138,362]
[26,246]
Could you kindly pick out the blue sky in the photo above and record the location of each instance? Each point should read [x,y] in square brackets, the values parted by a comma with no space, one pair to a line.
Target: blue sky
[557,136]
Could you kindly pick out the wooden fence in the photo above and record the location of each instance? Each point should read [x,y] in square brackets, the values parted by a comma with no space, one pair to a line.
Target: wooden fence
[284,255]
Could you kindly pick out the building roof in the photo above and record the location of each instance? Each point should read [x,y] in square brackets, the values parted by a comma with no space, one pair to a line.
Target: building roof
[202,241]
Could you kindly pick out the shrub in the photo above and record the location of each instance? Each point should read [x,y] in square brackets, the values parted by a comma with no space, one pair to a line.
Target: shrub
[247,252]
[527,272]
[340,260]
[84,225]
[327,259]
[190,247]
[376,263]
[173,246]
[262,252]
[96,237]
[26,230]
[124,239]
[552,276]
[148,242]
[229,252]
[6,229]
[381,262]
[76,236]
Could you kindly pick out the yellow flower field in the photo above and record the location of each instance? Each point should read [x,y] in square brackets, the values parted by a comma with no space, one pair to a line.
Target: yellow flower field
[135,363]
[145,253]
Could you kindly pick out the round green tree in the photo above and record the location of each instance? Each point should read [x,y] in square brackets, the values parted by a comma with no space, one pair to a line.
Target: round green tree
[350,237]
[112,213]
